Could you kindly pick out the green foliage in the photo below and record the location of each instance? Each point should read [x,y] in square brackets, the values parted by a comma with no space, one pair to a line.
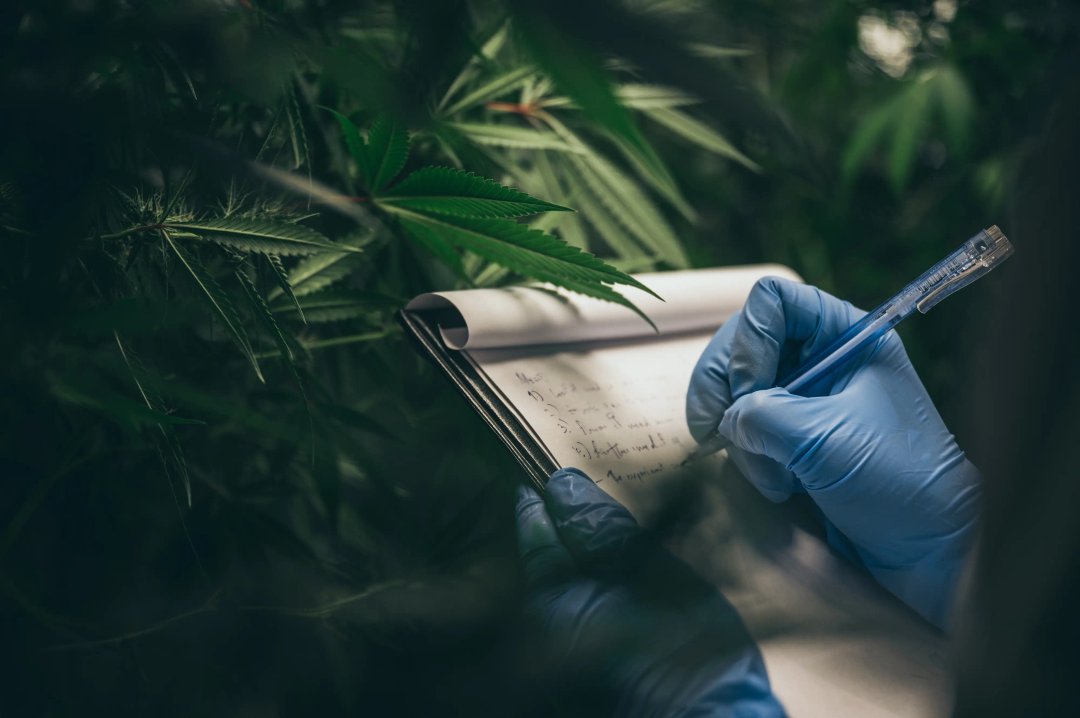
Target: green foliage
[905,121]
[218,300]
[321,270]
[222,464]
[338,305]
[442,190]
[387,150]
[267,237]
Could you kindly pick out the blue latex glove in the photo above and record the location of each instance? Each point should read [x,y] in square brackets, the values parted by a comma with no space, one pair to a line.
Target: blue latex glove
[865,442]
[608,595]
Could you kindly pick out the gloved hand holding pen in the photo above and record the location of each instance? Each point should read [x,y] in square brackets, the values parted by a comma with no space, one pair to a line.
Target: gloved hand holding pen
[865,443]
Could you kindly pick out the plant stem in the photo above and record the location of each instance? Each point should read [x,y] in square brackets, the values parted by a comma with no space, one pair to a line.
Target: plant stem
[130,231]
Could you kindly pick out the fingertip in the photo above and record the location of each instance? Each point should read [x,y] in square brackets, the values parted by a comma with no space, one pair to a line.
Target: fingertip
[526,493]
[570,486]
[709,393]
[529,504]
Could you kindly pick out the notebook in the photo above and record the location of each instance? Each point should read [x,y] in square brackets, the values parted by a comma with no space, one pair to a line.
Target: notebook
[566,380]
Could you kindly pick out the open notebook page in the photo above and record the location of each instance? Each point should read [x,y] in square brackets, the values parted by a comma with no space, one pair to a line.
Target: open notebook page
[604,393]
[615,410]
[593,382]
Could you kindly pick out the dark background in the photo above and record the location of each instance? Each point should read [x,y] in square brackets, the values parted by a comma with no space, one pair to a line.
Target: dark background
[349,544]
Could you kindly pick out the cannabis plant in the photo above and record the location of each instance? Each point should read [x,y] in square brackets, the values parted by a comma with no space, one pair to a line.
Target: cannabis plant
[212,426]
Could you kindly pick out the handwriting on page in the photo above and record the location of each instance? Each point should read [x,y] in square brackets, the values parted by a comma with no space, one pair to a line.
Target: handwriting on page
[616,411]
[608,423]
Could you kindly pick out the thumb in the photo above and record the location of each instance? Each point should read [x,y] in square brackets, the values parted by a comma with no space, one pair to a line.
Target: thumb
[779,425]
[597,529]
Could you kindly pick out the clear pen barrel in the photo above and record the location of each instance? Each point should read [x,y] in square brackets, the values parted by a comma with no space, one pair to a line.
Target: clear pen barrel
[971,260]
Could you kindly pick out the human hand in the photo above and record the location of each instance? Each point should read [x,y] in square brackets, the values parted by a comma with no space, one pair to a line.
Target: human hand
[608,594]
[865,442]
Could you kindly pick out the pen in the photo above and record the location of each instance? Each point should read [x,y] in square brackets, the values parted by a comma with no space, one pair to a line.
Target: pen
[973,259]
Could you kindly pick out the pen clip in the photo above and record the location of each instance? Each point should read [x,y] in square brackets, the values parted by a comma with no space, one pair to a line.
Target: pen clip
[975,258]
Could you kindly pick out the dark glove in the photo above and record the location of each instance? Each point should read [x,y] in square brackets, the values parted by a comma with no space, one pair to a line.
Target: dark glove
[609,595]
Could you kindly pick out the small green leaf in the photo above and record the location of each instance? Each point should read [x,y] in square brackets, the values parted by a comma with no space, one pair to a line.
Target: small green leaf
[486,53]
[262,312]
[611,232]
[444,190]
[493,88]
[354,141]
[866,136]
[431,240]
[388,148]
[637,97]
[511,137]
[340,305]
[321,270]
[548,182]
[700,134]
[579,72]
[521,249]
[625,200]
[603,291]
[909,127]
[957,107]
[259,235]
[632,208]
[298,140]
[218,300]
[282,278]
[717,52]
[662,183]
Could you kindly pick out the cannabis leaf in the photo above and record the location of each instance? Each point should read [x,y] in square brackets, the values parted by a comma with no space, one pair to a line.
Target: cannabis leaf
[447,191]
[520,248]
[904,121]
[493,88]
[319,271]
[388,148]
[264,315]
[282,279]
[511,137]
[579,71]
[382,156]
[339,305]
[447,210]
[700,134]
[354,141]
[217,298]
[263,236]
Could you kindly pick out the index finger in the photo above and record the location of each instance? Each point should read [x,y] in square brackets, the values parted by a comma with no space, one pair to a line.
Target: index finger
[782,323]
[709,393]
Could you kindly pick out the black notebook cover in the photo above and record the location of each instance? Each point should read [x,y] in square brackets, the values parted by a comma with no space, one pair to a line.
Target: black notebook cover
[422,327]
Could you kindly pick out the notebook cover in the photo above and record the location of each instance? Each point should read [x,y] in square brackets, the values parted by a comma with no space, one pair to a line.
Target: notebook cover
[423,330]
